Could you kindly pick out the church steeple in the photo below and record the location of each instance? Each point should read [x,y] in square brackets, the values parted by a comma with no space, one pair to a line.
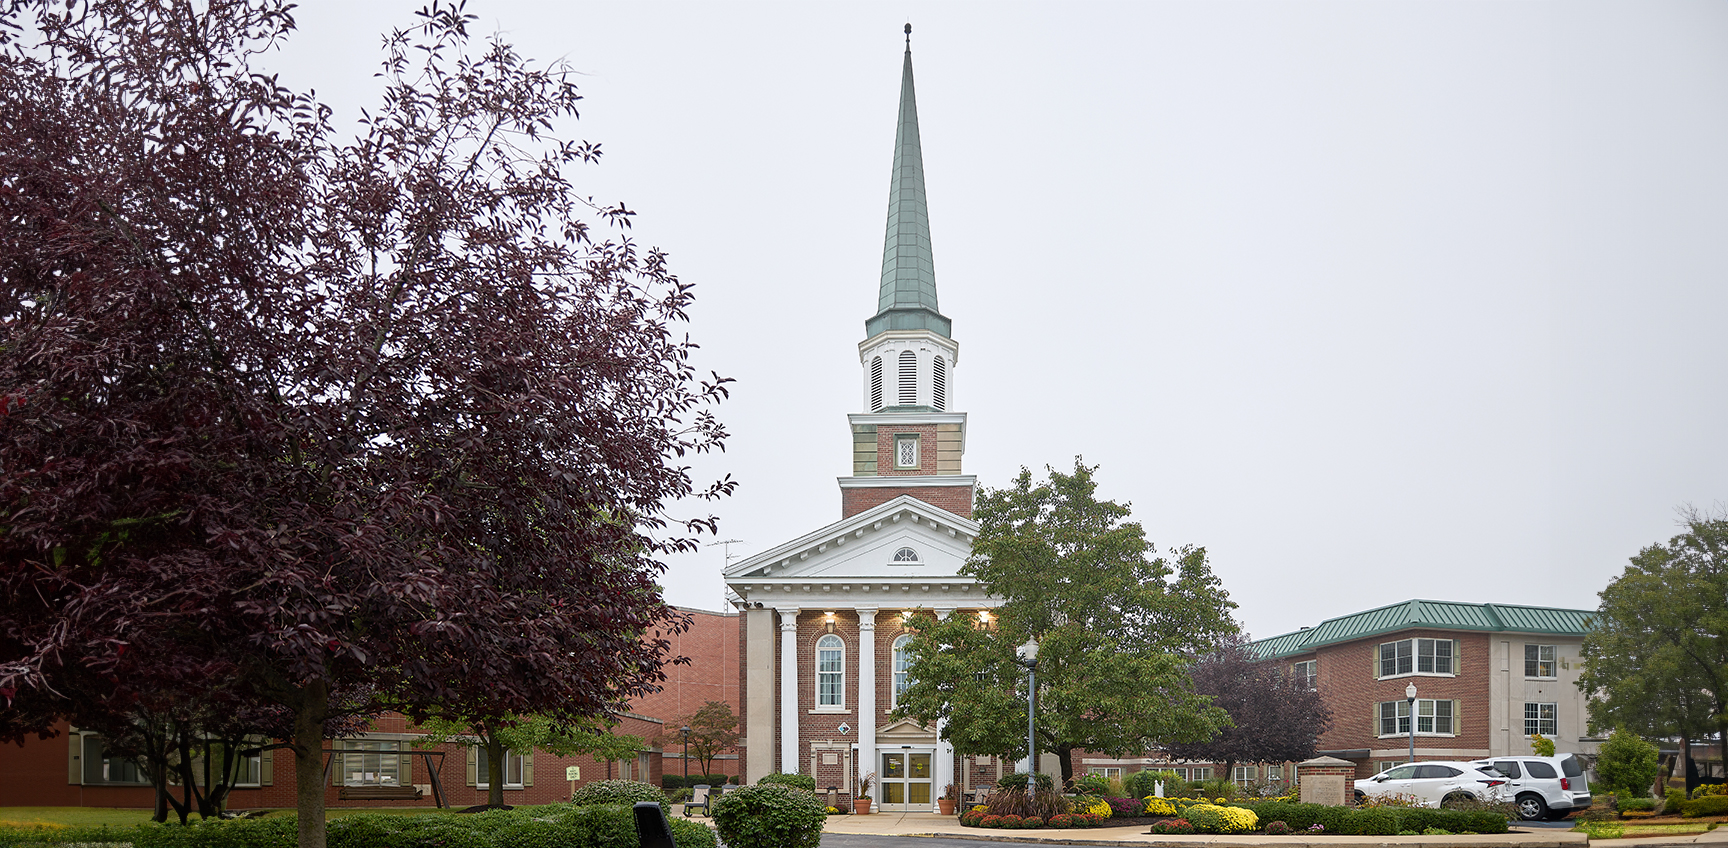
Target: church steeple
[907,300]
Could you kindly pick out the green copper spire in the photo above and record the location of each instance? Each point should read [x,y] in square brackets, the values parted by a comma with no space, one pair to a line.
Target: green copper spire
[908,296]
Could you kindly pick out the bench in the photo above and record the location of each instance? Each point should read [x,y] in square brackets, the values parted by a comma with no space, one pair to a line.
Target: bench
[699,795]
[380,793]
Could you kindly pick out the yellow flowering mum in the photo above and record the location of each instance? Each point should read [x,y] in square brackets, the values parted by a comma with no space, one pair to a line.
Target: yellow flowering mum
[1211,818]
[1098,808]
[1156,806]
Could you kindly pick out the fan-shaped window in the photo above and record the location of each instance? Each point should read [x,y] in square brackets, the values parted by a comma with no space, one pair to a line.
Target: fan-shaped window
[908,378]
[939,386]
[902,664]
[875,384]
[830,671]
[905,555]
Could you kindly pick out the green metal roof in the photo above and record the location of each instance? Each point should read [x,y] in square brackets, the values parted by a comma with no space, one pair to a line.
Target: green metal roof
[1435,615]
[907,300]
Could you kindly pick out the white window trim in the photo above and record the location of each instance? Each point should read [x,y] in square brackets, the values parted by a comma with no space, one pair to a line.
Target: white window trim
[1415,659]
[1554,710]
[1553,662]
[482,778]
[895,650]
[1419,732]
[819,673]
[917,451]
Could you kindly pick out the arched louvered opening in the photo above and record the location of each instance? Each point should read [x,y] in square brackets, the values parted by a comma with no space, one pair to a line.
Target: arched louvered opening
[939,386]
[908,378]
[875,384]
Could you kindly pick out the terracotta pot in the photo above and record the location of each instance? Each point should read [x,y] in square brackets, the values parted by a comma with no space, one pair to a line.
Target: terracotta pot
[861,806]
[946,805]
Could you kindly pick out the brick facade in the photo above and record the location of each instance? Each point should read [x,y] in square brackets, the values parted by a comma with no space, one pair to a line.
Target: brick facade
[955,499]
[1348,680]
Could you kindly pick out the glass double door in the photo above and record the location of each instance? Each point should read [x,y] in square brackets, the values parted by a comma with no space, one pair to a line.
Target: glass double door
[906,780]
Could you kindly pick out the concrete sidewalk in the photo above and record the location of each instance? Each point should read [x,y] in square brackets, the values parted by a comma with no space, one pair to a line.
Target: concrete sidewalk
[948,827]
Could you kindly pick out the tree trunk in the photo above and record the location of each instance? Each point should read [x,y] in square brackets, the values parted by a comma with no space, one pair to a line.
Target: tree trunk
[309,714]
[1065,756]
[494,771]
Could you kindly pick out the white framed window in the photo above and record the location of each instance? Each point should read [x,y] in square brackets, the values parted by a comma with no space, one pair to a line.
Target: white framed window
[876,384]
[1306,673]
[902,666]
[1541,718]
[1539,662]
[1107,771]
[906,555]
[102,768]
[1180,771]
[908,378]
[1245,775]
[1418,656]
[906,451]
[1274,772]
[830,672]
[1433,718]
[368,762]
[513,769]
[939,385]
[1202,773]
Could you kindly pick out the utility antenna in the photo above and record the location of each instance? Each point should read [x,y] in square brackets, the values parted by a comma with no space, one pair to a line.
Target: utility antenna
[908,36]
[728,543]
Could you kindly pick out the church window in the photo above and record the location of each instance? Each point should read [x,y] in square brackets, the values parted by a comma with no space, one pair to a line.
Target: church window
[939,385]
[905,556]
[906,451]
[830,672]
[908,378]
[876,384]
[902,667]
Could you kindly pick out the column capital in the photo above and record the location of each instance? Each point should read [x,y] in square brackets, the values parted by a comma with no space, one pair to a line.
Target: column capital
[942,613]
[788,618]
[866,618]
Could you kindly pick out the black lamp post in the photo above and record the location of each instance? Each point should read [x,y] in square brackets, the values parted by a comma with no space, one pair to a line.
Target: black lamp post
[685,732]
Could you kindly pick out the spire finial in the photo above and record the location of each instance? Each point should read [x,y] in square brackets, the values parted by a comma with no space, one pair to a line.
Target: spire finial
[908,35]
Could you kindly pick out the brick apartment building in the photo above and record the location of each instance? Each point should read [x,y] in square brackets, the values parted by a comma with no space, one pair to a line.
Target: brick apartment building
[72,769]
[1486,676]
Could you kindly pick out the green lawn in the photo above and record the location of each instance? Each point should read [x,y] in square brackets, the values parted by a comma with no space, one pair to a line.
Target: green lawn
[96,816]
[1631,829]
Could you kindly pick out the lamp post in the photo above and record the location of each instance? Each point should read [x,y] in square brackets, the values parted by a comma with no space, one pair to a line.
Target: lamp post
[685,732]
[1410,698]
[1027,655]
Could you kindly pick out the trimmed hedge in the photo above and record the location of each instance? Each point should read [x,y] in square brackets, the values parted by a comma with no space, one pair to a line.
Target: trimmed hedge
[617,792]
[1378,821]
[553,826]
[769,815]
[1708,805]
[797,781]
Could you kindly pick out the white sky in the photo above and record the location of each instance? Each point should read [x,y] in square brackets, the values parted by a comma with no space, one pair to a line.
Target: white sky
[1376,301]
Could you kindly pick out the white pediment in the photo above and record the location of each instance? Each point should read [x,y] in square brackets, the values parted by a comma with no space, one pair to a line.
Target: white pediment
[905,549]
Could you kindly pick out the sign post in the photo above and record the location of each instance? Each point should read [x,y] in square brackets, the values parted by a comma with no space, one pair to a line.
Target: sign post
[572,774]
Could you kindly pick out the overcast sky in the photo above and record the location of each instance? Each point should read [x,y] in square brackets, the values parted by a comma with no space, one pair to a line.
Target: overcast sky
[1375,301]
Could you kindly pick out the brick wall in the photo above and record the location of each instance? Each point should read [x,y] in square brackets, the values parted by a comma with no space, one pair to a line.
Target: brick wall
[713,673]
[1346,678]
[955,499]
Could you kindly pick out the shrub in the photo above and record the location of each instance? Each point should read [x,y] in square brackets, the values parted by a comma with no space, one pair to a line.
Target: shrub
[1016,802]
[1628,805]
[1143,783]
[1541,745]
[1709,805]
[1211,818]
[1061,821]
[800,781]
[1221,787]
[1156,806]
[1626,764]
[616,792]
[1032,822]
[1371,822]
[1091,784]
[1125,808]
[1710,789]
[1173,826]
[1276,828]
[1672,799]
[769,815]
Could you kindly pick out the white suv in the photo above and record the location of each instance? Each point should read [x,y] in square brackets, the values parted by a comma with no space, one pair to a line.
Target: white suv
[1549,788]
[1437,784]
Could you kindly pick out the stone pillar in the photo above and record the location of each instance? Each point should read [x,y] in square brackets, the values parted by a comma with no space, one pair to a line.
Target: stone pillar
[761,715]
[1326,780]
[866,692]
[789,689]
[944,748]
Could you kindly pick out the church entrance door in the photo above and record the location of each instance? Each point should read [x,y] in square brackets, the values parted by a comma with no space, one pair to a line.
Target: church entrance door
[907,780]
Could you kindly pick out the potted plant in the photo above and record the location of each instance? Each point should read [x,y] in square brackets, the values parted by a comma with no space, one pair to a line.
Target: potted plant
[950,796]
[861,801]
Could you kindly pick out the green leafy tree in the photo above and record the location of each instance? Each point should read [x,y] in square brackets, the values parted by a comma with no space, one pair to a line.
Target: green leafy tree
[1115,627]
[524,734]
[713,731]
[1627,764]
[1656,658]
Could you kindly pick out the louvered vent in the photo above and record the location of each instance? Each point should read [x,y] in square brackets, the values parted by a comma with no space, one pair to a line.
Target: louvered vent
[876,384]
[939,386]
[908,378]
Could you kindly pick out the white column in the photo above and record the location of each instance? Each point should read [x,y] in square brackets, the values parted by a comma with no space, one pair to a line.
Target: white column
[866,690]
[789,689]
[944,748]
